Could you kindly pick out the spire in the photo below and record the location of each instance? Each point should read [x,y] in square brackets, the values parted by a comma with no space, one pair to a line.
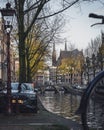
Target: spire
[65,45]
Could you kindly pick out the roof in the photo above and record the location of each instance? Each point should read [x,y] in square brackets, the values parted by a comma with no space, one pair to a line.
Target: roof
[66,54]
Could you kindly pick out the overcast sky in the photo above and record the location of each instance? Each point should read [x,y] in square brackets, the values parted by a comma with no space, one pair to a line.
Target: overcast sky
[78,28]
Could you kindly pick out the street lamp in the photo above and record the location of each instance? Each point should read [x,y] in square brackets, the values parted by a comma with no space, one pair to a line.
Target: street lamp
[7,16]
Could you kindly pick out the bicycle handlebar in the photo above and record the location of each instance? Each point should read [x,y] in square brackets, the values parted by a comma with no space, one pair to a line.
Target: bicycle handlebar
[92,15]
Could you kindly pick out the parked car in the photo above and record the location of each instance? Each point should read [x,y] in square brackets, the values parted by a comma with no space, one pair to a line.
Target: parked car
[23,98]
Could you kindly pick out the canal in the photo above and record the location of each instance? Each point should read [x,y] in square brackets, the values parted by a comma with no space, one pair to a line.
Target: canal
[66,105]
[62,104]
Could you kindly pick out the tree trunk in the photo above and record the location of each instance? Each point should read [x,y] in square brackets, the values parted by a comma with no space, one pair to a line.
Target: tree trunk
[28,73]
[22,69]
[22,63]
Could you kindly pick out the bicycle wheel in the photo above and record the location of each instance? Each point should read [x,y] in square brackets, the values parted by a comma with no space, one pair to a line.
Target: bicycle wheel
[93,114]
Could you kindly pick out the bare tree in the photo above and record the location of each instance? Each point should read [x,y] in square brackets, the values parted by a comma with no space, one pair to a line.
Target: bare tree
[38,10]
[38,42]
[41,11]
[93,46]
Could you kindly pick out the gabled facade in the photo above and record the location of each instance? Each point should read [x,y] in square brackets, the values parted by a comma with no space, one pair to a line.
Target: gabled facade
[68,76]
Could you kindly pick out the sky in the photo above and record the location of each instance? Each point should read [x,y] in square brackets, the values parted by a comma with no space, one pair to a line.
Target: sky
[78,30]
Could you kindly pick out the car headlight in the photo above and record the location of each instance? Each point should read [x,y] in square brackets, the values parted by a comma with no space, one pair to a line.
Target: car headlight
[20,101]
[13,101]
[17,101]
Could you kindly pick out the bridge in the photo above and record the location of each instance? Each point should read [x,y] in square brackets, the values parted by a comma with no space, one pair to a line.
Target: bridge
[57,88]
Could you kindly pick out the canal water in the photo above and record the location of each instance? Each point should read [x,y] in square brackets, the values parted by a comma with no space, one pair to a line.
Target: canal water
[66,105]
[62,104]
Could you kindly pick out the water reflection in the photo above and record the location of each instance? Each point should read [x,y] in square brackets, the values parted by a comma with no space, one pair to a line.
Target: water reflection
[95,113]
[66,105]
[61,104]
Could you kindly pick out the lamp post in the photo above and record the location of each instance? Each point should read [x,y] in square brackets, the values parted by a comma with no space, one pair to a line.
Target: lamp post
[7,16]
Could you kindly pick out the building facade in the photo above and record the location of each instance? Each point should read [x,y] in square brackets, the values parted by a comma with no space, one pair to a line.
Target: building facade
[3,55]
[14,62]
[67,72]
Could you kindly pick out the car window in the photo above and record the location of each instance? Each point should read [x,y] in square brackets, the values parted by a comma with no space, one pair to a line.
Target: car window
[14,86]
[24,86]
[28,86]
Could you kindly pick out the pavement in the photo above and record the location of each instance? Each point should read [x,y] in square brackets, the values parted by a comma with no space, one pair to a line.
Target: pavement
[42,120]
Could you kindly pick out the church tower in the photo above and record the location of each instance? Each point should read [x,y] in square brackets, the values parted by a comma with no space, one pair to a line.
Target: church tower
[54,56]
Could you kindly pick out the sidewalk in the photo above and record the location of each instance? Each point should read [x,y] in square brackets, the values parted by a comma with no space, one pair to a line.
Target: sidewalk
[43,120]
